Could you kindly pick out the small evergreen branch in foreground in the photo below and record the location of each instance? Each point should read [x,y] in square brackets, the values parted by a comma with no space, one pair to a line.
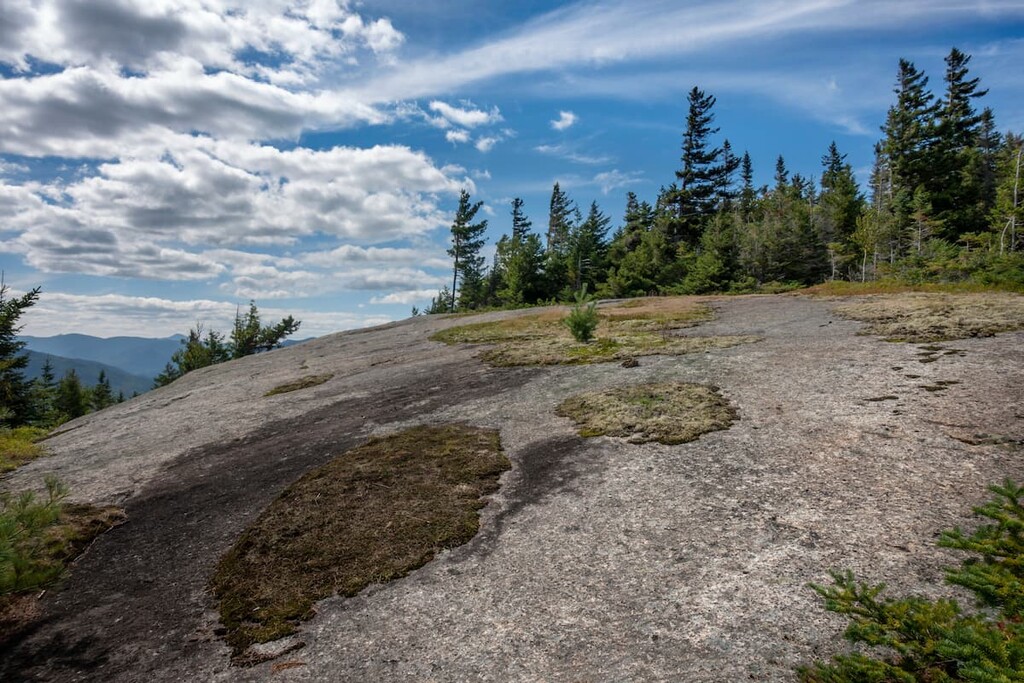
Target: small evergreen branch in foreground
[919,640]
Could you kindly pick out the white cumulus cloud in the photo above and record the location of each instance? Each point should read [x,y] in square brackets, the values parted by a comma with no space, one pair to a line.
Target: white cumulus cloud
[565,119]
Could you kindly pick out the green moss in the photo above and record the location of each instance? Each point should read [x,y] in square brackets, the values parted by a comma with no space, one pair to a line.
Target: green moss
[669,413]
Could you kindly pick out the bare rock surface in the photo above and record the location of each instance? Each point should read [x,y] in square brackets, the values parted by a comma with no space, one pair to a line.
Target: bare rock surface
[598,560]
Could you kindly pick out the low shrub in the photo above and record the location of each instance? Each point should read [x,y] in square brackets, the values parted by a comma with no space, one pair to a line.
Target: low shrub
[583,319]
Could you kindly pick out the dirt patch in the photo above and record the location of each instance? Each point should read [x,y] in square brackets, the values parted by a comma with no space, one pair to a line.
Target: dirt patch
[668,413]
[370,515]
[922,317]
[627,330]
[303,383]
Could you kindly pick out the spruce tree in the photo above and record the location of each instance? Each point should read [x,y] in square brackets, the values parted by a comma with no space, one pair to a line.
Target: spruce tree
[561,213]
[71,400]
[958,187]
[467,241]
[700,177]
[747,192]
[102,395]
[840,202]
[15,390]
[519,259]
[588,248]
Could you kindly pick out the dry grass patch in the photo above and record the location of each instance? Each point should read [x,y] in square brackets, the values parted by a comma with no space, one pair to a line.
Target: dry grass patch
[303,383]
[637,327]
[920,317]
[370,515]
[669,413]
[845,288]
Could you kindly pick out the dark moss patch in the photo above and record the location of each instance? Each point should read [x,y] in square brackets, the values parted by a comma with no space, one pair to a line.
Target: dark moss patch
[370,515]
[883,398]
[303,383]
[932,387]
[669,413]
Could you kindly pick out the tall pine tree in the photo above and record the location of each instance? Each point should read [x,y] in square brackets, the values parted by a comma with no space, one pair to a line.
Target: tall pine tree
[467,241]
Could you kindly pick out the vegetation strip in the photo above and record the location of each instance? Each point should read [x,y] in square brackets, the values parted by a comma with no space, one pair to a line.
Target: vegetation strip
[18,446]
[640,327]
[302,383]
[668,413]
[920,317]
[370,515]
[39,538]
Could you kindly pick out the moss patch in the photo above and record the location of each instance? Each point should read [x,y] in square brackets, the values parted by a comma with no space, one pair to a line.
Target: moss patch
[937,317]
[370,515]
[669,413]
[303,383]
[638,327]
[18,446]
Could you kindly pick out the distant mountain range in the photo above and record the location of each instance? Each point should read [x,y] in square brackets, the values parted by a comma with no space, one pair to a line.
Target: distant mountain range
[131,363]
[134,355]
[88,372]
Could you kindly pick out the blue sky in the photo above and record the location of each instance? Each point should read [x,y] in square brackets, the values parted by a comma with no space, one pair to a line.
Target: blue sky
[163,162]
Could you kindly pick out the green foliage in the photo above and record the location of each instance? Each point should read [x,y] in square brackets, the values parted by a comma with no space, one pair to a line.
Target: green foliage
[18,446]
[248,336]
[25,559]
[15,391]
[71,399]
[467,241]
[914,639]
[582,319]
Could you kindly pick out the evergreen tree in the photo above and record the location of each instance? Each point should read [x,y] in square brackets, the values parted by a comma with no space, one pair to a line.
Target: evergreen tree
[102,395]
[519,259]
[559,220]
[196,351]
[700,178]
[561,214]
[840,202]
[747,192]
[909,146]
[15,391]
[588,248]
[725,178]
[249,335]
[781,174]
[467,241]
[43,389]
[957,187]
[71,400]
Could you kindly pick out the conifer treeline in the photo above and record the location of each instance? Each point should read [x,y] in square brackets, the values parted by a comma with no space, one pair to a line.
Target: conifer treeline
[945,204]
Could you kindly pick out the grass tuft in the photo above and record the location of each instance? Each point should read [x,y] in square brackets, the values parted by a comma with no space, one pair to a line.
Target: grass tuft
[18,446]
[919,317]
[303,383]
[637,327]
[669,413]
[370,515]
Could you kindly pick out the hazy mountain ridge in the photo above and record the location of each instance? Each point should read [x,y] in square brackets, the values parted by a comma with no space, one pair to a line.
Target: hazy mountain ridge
[88,372]
[138,356]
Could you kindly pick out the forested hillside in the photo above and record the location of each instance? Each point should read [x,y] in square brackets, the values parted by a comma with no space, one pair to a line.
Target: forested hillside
[942,204]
